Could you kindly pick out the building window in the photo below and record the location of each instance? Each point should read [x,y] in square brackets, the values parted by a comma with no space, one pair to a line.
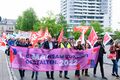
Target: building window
[90,17]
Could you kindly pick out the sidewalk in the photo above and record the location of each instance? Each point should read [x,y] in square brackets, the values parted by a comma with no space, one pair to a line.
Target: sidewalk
[4,70]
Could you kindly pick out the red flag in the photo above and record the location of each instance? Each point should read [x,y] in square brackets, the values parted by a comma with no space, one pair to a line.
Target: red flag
[46,34]
[4,36]
[92,38]
[81,38]
[60,36]
[34,38]
[81,28]
[2,42]
[107,38]
[40,35]
[11,55]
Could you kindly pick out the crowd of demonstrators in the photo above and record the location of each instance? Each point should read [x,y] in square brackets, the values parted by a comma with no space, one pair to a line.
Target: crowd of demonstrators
[52,43]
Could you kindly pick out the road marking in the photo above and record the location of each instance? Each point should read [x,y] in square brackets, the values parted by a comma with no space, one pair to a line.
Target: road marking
[11,74]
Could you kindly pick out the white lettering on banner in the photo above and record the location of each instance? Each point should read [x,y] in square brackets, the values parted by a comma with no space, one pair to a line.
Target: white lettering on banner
[39,57]
[68,62]
[43,57]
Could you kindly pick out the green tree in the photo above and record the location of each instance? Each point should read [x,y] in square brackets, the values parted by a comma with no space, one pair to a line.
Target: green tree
[63,23]
[97,27]
[117,35]
[76,35]
[27,20]
[82,23]
[54,23]
[108,29]
[18,25]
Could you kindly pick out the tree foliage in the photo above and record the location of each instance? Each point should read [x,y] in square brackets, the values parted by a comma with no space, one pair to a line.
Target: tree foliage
[117,35]
[108,29]
[54,23]
[97,27]
[27,20]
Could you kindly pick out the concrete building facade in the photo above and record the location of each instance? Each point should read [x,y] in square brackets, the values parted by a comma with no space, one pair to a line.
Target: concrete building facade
[77,11]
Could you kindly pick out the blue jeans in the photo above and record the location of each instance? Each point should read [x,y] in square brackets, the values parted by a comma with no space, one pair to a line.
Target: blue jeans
[115,67]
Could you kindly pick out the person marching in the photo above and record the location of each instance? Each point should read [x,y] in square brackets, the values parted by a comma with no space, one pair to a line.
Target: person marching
[49,45]
[115,65]
[78,47]
[35,72]
[21,43]
[87,46]
[100,58]
[65,44]
[117,48]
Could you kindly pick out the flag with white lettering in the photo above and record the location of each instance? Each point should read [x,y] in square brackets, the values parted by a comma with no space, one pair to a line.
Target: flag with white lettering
[106,39]
[92,38]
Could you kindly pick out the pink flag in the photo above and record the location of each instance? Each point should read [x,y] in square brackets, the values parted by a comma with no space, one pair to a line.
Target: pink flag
[60,36]
[92,38]
[107,38]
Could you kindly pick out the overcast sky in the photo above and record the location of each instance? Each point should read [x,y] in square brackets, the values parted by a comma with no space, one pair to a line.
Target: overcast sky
[13,8]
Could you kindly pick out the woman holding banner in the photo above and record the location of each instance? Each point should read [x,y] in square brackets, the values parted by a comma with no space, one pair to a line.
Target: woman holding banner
[21,43]
[35,72]
[78,47]
[87,46]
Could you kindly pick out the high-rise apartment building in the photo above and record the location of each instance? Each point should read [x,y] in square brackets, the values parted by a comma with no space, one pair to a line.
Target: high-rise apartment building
[76,11]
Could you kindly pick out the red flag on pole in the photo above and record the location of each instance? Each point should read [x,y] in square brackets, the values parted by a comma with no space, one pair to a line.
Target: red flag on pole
[4,36]
[60,36]
[11,55]
[82,38]
[81,28]
[107,38]
[46,34]
[2,42]
[34,38]
[92,38]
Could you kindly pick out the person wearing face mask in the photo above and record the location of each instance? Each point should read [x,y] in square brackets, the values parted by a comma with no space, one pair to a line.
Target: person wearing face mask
[100,58]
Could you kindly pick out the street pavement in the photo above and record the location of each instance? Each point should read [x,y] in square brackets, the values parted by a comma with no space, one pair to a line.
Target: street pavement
[6,73]
[42,75]
[4,69]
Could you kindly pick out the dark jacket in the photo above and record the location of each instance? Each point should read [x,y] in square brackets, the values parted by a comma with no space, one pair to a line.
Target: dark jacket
[118,52]
[101,51]
[79,47]
[46,45]
[55,44]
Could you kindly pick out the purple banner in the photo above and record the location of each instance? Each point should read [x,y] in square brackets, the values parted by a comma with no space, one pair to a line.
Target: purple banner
[36,59]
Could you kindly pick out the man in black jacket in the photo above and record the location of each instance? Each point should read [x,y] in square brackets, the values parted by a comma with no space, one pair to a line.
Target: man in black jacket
[49,44]
[100,58]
